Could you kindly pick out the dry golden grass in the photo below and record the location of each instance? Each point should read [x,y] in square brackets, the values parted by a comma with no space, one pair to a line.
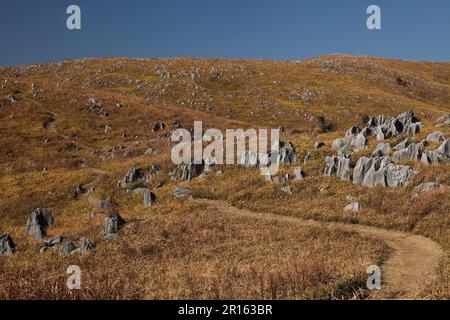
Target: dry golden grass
[208,255]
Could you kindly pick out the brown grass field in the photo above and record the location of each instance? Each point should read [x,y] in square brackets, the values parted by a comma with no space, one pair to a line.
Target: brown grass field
[182,248]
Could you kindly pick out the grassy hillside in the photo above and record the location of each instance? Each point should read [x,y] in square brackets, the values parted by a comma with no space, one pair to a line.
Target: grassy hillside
[180,248]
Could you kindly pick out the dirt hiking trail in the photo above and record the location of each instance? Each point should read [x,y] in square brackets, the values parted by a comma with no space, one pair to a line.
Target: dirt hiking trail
[407,270]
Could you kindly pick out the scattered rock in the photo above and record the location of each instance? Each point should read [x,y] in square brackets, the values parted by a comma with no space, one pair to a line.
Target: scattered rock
[11,98]
[352,132]
[55,241]
[152,172]
[149,152]
[286,153]
[187,172]
[306,159]
[352,207]
[149,199]
[360,141]
[129,153]
[444,150]
[435,137]
[318,144]
[444,120]
[387,127]
[339,165]
[38,223]
[106,203]
[158,127]
[430,157]
[112,224]
[402,145]
[372,172]
[383,149]
[340,144]
[51,244]
[67,248]
[71,148]
[441,154]
[136,191]
[7,246]
[86,246]
[181,192]
[411,153]
[79,190]
[299,174]
[428,186]
[133,175]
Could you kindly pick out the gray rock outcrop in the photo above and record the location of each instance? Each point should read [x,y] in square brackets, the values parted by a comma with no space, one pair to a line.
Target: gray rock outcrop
[149,199]
[339,165]
[340,144]
[286,153]
[67,248]
[133,175]
[7,246]
[373,172]
[441,154]
[187,172]
[112,224]
[383,149]
[86,246]
[181,192]
[428,186]
[38,223]
[411,153]
[435,137]
[299,174]
[352,207]
[402,145]
[388,127]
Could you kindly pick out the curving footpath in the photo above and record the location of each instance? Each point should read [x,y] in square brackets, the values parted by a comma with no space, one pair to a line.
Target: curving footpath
[407,270]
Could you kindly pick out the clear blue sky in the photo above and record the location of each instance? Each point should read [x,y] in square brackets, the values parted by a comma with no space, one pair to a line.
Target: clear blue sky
[35,31]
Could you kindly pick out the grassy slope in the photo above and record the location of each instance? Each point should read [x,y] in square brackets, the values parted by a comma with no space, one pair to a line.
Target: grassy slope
[342,89]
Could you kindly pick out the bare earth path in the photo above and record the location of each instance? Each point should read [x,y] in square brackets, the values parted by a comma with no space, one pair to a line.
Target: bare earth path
[411,265]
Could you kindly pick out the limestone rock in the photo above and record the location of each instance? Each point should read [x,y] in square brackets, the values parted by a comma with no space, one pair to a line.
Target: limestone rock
[7,246]
[402,145]
[149,199]
[435,137]
[352,207]
[112,224]
[339,165]
[186,172]
[340,144]
[132,175]
[373,172]
[411,153]
[38,223]
[381,150]
[67,248]
[318,144]
[181,192]
[299,174]
[428,186]
[286,153]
